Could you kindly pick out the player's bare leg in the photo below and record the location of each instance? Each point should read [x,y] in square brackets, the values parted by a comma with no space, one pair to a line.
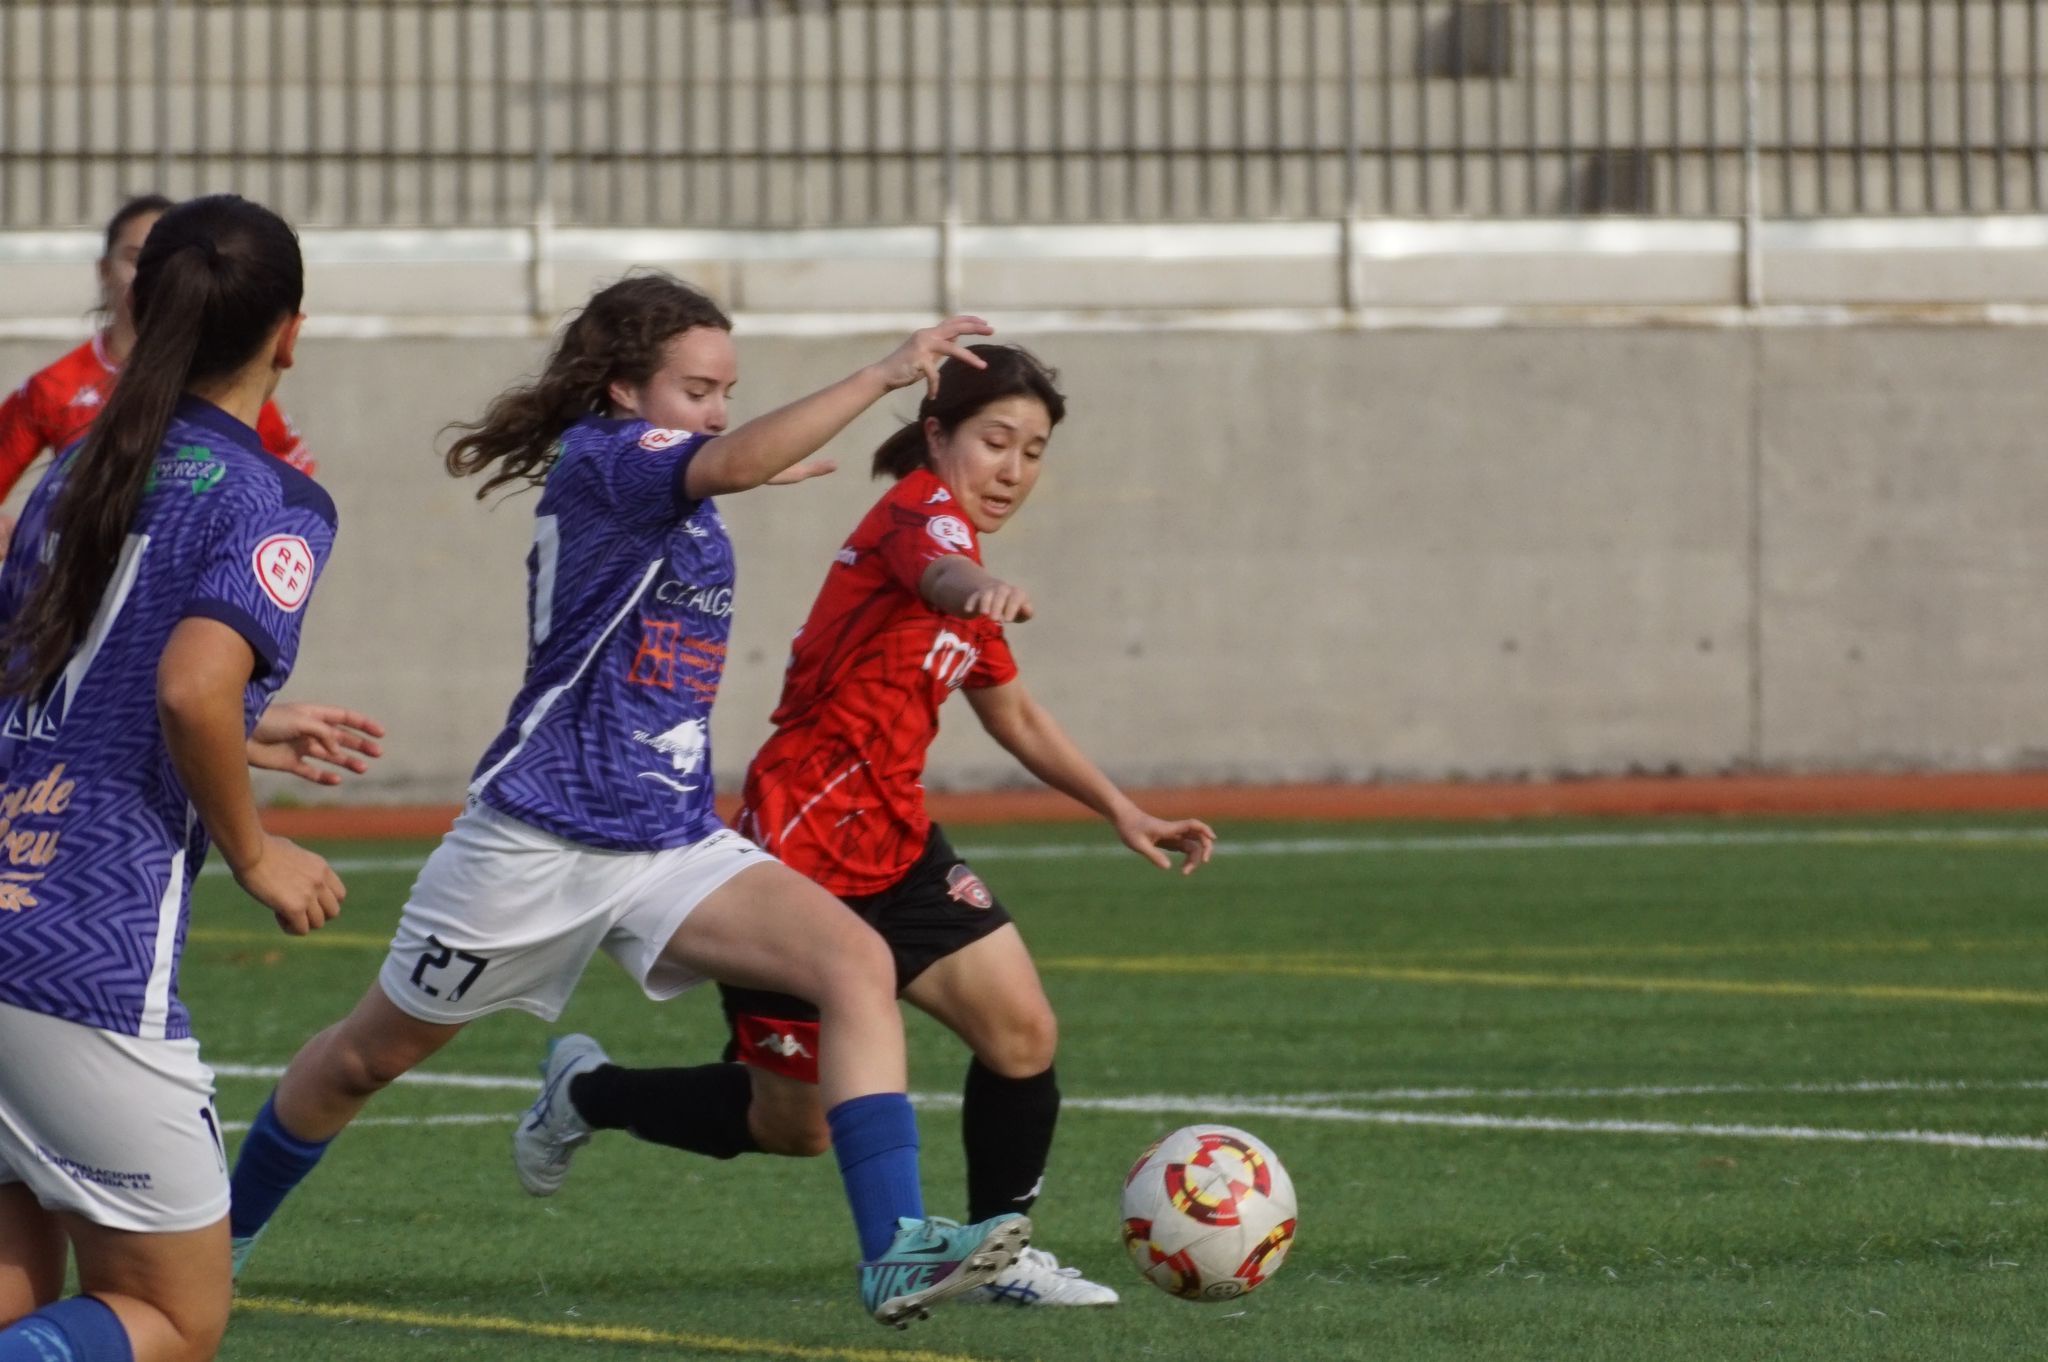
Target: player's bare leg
[171,1292]
[32,1250]
[770,928]
[327,1083]
[988,993]
[335,1074]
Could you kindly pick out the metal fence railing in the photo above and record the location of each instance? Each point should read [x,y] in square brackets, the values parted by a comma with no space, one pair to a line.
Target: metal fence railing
[742,113]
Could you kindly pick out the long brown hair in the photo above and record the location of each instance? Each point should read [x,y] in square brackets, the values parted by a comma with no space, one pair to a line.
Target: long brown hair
[618,337]
[214,279]
[964,391]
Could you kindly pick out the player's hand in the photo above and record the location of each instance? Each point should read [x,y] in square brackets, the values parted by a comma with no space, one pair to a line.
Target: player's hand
[803,472]
[6,532]
[1000,602]
[926,350]
[291,737]
[1153,838]
[300,888]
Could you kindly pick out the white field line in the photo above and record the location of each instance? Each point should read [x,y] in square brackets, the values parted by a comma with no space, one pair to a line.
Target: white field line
[1343,846]
[1865,1086]
[1309,1108]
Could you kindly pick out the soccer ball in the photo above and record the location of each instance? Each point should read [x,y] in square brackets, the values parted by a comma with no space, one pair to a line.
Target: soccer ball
[1208,1213]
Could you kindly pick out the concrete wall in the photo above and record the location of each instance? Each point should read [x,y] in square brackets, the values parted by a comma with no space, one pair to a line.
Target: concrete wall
[1335,554]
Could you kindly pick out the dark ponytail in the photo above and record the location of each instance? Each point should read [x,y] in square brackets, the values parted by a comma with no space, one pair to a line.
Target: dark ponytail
[964,391]
[214,279]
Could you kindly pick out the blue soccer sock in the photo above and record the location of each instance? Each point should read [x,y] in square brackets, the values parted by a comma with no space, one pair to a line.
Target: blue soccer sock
[80,1329]
[875,1140]
[271,1162]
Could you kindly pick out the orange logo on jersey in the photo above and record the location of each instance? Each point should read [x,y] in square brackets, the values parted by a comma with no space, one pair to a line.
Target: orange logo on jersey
[25,850]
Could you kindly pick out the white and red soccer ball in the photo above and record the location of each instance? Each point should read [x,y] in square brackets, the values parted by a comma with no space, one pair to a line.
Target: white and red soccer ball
[1208,1213]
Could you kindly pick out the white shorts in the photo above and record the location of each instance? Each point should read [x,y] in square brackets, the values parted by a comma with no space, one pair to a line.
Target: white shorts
[505,915]
[117,1129]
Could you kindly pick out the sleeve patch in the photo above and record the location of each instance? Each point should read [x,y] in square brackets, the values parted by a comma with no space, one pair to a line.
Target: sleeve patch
[284,569]
[951,531]
[659,439]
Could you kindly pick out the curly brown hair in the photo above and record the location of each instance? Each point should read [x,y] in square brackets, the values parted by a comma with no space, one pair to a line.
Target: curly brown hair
[618,337]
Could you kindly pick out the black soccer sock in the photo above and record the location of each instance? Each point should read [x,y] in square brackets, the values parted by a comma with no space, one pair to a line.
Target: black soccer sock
[703,1110]
[1007,1125]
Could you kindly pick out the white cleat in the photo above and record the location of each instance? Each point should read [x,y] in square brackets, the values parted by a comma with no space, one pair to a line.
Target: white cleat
[1037,1278]
[552,1130]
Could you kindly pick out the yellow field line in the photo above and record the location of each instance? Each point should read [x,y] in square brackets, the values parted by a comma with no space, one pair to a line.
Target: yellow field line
[1678,950]
[1503,979]
[589,1333]
[219,936]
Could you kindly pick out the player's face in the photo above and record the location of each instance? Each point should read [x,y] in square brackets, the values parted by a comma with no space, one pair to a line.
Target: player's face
[690,390]
[117,267]
[991,459]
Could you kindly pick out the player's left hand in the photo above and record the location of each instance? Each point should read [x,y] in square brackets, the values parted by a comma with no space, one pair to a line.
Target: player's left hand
[1153,838]
[804,472]
[290,737]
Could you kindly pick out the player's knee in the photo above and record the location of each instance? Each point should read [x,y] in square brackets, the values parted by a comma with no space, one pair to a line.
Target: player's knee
[1025,1046]
[199,1323]
[861,968]
[362,1070]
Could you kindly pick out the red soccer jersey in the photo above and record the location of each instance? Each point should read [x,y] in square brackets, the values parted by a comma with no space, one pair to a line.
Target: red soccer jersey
[56,405]
[836,792]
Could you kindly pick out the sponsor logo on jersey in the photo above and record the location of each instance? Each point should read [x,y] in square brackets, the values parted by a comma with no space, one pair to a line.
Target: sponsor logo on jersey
[196,466]
[87,396]
[951,659]
[284,569]
[938,498]
[715,601]
[28,852]
[951,531]
[684,746]
[847,557]
[660,438]
[964,886]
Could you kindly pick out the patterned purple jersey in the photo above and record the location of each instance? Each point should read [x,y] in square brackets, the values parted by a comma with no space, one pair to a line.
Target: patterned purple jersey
[629,606]
[98,841]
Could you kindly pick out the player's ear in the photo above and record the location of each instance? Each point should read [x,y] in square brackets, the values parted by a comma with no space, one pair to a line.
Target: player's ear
[934,439]
[285,353]
[624,396]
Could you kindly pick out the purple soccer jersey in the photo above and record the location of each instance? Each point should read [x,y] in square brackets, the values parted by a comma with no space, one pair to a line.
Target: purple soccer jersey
[99,843]
[629,607]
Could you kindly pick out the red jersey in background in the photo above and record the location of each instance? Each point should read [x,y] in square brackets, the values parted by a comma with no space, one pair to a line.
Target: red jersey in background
[836,792]
[56,405]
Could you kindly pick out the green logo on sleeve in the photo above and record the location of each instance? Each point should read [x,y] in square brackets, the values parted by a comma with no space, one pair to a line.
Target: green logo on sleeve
[195,466]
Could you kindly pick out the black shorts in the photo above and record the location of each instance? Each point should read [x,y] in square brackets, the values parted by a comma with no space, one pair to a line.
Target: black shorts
[939,906]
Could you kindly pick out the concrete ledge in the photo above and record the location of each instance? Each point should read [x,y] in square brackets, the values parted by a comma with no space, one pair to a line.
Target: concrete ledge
[1368,273]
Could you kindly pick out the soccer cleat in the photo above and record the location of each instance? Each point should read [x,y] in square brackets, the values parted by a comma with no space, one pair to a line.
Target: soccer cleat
[240,1246]
[935,1260]
[552,1130]
[1037,1278]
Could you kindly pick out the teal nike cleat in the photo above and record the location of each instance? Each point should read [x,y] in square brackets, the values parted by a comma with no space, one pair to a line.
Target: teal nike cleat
[934,1260]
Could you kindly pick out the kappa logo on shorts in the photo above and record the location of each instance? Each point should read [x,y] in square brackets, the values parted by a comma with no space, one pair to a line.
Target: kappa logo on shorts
[966,886]
[784,1044]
